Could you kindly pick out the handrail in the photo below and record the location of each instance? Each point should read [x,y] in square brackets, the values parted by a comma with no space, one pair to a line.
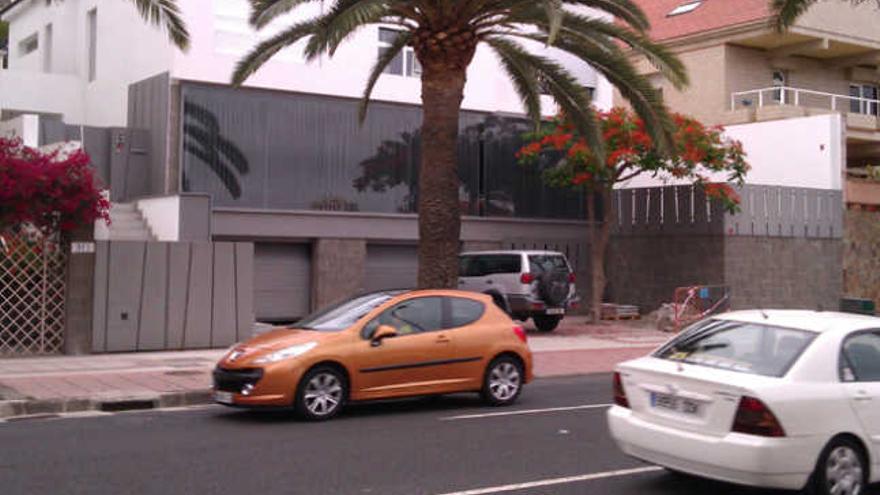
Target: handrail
[785,90]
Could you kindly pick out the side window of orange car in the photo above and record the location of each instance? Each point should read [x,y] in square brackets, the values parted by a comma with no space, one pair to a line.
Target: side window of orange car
[422,314]
[463,312]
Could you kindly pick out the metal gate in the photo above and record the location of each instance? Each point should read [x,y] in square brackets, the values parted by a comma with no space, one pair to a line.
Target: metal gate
[32,291]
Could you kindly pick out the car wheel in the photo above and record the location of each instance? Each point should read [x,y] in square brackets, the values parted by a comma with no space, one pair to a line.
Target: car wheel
[321,393]
[503,381]
[841,469]
[547,323]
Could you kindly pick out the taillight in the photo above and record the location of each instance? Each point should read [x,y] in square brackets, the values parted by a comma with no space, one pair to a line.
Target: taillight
[521,333]
[526,278]
[619,394]
[755,418]
[571,277]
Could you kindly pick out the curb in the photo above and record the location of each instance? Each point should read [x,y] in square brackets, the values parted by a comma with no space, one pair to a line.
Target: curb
[22,408]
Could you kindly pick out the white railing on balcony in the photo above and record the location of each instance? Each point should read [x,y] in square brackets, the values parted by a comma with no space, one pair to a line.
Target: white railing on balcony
[784,95]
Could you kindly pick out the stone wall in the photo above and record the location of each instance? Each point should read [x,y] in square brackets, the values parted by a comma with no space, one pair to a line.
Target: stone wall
[646,270]
[783,272]
[861,254]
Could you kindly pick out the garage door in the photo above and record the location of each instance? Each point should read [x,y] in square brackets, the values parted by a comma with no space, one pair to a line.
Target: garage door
[282,281]
[391,267]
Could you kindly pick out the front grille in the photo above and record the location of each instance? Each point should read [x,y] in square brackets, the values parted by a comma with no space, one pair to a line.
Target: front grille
[234,380]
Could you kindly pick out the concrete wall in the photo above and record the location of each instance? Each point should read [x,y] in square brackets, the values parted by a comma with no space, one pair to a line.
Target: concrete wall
[337,269]
[862,254]
[154,296]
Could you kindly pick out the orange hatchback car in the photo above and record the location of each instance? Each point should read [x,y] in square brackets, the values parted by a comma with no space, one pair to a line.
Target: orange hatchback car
[380,345]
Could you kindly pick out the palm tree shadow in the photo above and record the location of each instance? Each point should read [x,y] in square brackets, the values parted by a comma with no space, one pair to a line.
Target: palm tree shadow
[203,139]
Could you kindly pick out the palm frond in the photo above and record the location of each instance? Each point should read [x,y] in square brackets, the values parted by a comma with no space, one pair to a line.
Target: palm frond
[786,12]
[165,13]
[265,11]
[397,46]
[344,19]
[564,88]
[264,51]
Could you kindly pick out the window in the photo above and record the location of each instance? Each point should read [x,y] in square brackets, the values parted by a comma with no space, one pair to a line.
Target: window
[344,314]
[47,49]
[684,8]
[482,265]
[780,80]
[28,45]
[868,95]
[739,346]
[423,314]
[547,263]
[464,311]
[861,358]
[92,43]
[405,63]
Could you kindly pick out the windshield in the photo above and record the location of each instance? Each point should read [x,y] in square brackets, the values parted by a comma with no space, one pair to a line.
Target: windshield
[344,314]
[738,346]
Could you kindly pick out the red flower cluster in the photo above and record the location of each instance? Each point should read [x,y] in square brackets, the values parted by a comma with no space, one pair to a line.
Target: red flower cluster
[698,151]
[49,191]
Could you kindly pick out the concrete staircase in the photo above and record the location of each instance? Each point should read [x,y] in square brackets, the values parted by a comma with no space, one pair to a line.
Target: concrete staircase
[127,224]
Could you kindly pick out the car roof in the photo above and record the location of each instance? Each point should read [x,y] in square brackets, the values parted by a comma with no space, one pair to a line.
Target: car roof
[814,321]
[513,251]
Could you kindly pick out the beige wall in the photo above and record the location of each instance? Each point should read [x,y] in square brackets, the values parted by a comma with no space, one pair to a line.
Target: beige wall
[718,71]
[705,97]
[844,20]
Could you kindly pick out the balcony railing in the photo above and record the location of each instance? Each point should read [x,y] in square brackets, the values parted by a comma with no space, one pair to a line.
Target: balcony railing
[784,95]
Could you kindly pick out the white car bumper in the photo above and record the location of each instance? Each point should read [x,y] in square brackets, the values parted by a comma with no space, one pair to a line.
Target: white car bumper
[737,458]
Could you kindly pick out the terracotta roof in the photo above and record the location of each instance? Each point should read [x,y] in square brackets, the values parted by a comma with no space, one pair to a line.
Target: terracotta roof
[709,16]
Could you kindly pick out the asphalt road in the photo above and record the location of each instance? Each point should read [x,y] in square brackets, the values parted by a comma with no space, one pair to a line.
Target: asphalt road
[427,446]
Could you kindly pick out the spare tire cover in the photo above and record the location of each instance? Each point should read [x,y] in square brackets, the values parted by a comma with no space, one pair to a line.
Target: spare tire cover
[554,287]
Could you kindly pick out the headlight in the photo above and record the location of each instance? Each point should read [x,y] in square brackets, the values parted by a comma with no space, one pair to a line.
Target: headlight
[286,353]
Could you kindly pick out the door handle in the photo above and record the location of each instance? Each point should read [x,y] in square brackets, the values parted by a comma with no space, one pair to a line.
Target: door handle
[862,396]
[442,339]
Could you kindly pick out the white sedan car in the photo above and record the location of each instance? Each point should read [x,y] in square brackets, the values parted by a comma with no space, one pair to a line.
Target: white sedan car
[776,399]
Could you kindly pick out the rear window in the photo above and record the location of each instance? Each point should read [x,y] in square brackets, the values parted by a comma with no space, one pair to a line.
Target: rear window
[738,346]
[464,311]
[489,264]
[542,263]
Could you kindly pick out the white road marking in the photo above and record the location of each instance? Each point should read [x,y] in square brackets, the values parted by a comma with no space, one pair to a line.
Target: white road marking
[556,481]
[526,411]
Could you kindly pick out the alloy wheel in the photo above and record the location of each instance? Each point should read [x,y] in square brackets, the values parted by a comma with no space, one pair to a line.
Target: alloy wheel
[323,394]
[843,471]
[504,381]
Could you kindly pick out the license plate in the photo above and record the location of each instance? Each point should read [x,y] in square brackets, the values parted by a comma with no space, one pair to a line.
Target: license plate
[673,403]
[223,397]
[555,311]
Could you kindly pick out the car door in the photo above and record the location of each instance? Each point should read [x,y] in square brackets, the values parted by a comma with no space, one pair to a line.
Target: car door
[860,370]
[416,361]
[473,338]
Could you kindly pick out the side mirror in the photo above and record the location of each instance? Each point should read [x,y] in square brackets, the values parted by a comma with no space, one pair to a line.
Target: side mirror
[382,333]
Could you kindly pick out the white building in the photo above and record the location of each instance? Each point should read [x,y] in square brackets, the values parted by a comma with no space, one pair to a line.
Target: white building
[75,59]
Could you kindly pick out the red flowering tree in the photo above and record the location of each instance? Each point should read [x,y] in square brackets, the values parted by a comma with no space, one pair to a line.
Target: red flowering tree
[699,152]
[53,192]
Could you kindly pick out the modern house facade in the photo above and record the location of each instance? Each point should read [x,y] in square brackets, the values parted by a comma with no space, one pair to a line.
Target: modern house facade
[283,162]
[805,105]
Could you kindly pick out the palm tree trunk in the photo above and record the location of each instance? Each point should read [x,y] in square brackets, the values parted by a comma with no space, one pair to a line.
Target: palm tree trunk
[439,211]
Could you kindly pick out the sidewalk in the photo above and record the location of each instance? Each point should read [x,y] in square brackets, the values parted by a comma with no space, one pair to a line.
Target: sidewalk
[111,382]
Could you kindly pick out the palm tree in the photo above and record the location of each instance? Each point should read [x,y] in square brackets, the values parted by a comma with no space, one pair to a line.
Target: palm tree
[786,12]
[444,35]
[163,13]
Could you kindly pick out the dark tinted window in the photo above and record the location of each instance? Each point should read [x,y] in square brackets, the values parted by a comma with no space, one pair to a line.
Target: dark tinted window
[738,346]
[489,264]
[861,358]
[423,314]
[541,263]
[464,311]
